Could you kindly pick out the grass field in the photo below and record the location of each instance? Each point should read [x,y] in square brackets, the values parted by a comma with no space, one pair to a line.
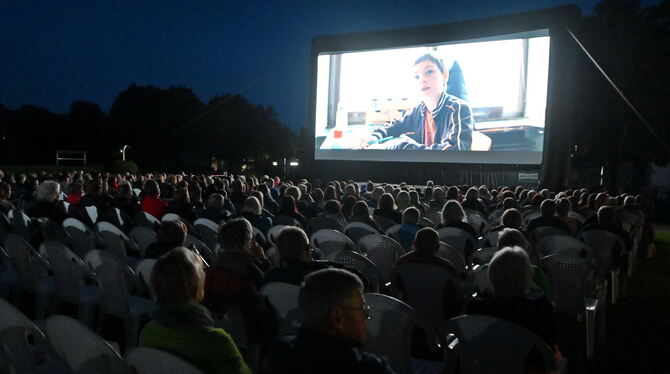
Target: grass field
[638,326]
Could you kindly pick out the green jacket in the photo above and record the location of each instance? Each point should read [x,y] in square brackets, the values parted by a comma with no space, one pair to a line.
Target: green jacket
[210,349]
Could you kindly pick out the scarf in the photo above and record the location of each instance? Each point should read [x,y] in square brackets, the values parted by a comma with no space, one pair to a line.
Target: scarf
[189,317]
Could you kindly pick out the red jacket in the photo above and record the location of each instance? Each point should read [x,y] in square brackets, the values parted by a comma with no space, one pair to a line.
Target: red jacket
[154,206]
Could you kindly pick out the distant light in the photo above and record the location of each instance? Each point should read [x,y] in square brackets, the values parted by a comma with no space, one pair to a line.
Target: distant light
[294,163]
[274,163]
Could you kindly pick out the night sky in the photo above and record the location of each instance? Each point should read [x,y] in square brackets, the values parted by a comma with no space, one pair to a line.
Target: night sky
[56,52]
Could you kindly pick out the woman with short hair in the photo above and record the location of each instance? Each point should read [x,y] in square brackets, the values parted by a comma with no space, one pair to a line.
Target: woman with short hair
[183,327]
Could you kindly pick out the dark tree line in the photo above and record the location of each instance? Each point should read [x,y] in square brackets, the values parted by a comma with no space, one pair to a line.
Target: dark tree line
[632,44]
[169,129]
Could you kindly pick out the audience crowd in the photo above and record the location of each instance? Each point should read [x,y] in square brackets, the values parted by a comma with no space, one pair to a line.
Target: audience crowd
[193,289]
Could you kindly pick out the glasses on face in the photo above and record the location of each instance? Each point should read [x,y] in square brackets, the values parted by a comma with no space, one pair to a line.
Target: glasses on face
[365,309]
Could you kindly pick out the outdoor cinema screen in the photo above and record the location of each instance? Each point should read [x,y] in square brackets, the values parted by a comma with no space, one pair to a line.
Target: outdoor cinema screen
[470,101]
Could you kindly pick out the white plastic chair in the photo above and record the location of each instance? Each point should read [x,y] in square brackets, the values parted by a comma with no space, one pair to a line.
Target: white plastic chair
[383,252]
[273,233]
[171,217]
[82,237]
[563,245]
[20,223]
[147,360]
[541,233]
[427,300]
[143,237]
[259,236]
[69,272]
[284,300]
[448,252]
[362,264]
[208,231]
[9,282]
[143,272]
[146,219]
[481,256]
[393,231]
[390,326]
[83,350]
[31,269]
[23,346]
[202,248]
[487,345]
[117,301]
[457,238]
[330,241]
[92,213]
[478,222]
[116,241]
[573,290]
[357,230]
[603,245]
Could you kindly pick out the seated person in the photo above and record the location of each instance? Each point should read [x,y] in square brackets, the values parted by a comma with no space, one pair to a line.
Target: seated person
[361,213]
[409,228]
[171,234]
[330,218]
[253,212]
[181,204]
[563,208]
[473,202]
[295,260]
[387,208]
[183,327]
[288,212]
[511,273]
[514,238]
[607,220]
[333,329]
[75,194]
[214,210]
[426,244]
[239,253]
[151,201]
[5,195]
[45,203]
[453,215]
[548,217]
[440,122]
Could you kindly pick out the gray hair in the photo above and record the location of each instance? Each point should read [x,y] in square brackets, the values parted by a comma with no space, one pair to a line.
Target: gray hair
[324,291]
[293,191]
[510,273]
[48,191]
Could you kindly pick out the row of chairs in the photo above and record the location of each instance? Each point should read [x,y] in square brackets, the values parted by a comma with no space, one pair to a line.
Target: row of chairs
[65,345]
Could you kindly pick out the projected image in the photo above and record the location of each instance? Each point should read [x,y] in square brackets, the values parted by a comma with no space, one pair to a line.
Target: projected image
[419,102]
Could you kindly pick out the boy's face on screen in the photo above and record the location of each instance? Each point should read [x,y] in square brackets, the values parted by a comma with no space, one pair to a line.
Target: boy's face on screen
[429,79]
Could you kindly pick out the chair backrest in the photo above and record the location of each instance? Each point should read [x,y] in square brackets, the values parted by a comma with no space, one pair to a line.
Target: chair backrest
[426,222]
[273,233]
[530,214]
[284,300]
[540,233]
[204,250]
[478,222]
[426,300]
[489,345]
[481,256]
[29,265]
[146,219]
[448,252]
[83,350]
[171,217]
[153,361]
[143,271]
[384,222]
[259,236]
[322,223]
[143,236]
[393,231]
[383,252]
[603,245]
[362,264]
[390,328]
[571,280]
[20,223]
[356,230]
[22,343]
[115,287]
[330,241]
[457,238]
[208,231]
[562,244]
[92,213]
[82,237]
[113,239]
[67,268]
